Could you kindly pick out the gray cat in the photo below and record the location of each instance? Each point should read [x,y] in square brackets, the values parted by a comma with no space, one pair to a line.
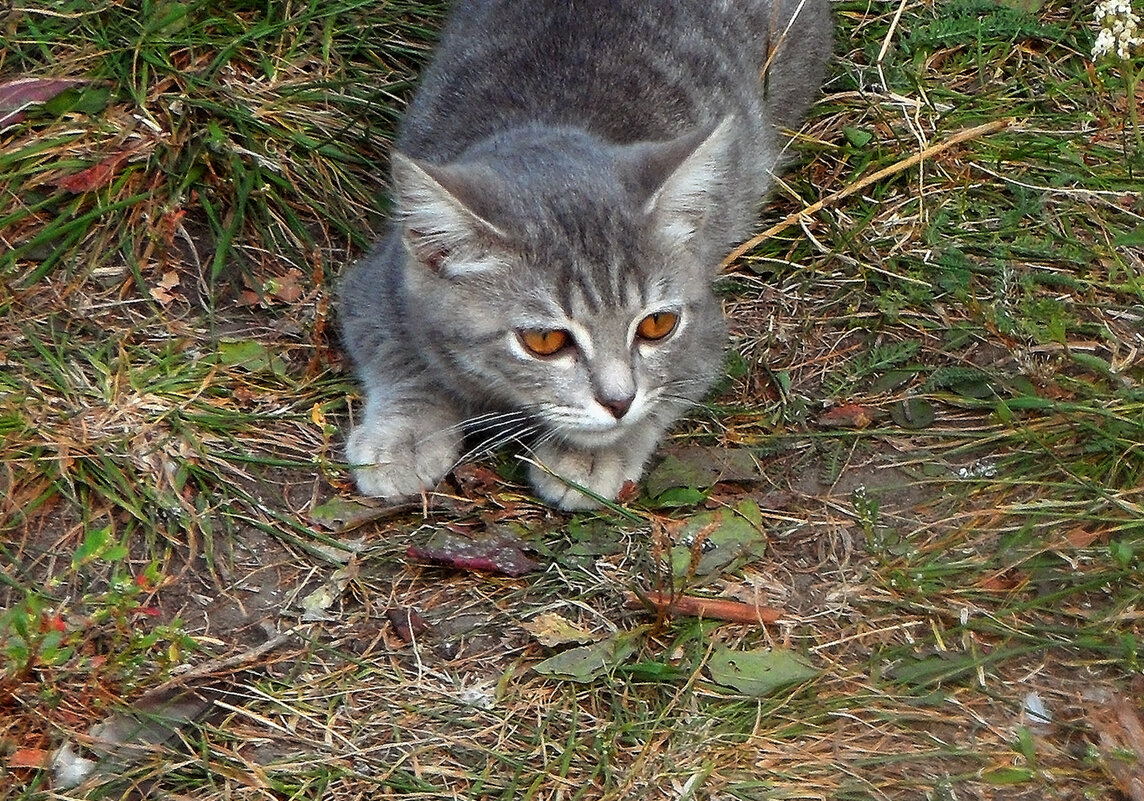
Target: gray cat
[566,182]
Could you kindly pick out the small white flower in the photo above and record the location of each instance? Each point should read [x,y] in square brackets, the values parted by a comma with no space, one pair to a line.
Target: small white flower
[1119,29]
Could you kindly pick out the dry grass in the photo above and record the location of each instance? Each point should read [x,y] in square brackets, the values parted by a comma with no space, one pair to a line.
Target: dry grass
[937,371]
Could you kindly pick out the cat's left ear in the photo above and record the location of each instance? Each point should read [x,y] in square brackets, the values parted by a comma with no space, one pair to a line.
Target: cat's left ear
[679,178]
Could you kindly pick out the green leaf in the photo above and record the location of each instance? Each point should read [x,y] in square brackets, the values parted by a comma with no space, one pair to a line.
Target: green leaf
[167,18]
[913,413]
[1008,775]
[923,671]
[678,497]
[895,379]
[760,672]
[727,535]
[250,355]
[652,671]
[1094,363]
[857,136]
[587,662]
[699,467]
[751,512]
[340,514]
[1025,745]
[977,389]
[97,544]
[1133,238]
[1029,402]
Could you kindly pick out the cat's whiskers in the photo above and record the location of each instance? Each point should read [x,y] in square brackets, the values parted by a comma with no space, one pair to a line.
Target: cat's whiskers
[506,427]
[530,448]
[491,421]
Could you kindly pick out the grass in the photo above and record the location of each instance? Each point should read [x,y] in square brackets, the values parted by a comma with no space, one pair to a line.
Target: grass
[934,403]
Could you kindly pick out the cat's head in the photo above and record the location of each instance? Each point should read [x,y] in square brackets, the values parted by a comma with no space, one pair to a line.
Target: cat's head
[569,279]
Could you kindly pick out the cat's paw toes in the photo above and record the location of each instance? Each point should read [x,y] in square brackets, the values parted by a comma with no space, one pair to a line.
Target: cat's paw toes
[399,459]
[555,471]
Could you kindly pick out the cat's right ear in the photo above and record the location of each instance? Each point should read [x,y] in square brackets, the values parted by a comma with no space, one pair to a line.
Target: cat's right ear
[680,177]
[438,227]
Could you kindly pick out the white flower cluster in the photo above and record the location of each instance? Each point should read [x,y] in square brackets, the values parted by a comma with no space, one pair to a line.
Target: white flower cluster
[1119,29]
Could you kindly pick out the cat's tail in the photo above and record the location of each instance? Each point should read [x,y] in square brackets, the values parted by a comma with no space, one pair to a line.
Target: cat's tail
[799,45]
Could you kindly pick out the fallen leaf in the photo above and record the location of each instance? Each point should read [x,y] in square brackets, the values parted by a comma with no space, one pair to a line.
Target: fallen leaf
[340,514]
[161,292]
[407,623]
[285,288]
[15,96]
[1003,582]
[251,356]
[1119,727]
[848,416]
[1079,537]
[587,662]
[315,606]
[28,758]
[550,629]
[94,177]
[476,481]
[492,553]
[760,672]
[700,467]
[710,541]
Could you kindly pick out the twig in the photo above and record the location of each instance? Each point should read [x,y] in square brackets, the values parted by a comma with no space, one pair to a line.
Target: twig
[228,663]
[710,608]
[885,172]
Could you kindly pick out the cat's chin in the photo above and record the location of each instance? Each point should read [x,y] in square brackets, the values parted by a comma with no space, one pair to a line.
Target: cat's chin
[593,438]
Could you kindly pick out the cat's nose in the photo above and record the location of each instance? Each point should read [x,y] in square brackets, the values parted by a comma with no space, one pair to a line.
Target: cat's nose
[617,406]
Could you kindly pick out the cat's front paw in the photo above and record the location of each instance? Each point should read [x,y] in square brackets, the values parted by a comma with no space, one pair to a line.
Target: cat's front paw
[400,457]
[601,472]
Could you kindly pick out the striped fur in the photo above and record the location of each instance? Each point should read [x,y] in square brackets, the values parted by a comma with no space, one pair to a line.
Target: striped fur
[568,165]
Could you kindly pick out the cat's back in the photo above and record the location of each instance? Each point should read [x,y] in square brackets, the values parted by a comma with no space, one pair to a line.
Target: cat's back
[626,70]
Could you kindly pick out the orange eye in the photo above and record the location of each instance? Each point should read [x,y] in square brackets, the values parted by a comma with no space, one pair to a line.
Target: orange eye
[657,326]
[545,343]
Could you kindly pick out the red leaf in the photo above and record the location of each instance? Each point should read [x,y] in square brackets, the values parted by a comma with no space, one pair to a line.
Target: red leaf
[286,287]
[93,177]
[1080,538]
[848,416]
[1003,582]
[406,622]
[15,96]
[491,554]
[29,758]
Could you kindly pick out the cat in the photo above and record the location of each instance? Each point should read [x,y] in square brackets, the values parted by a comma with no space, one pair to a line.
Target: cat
[566,180]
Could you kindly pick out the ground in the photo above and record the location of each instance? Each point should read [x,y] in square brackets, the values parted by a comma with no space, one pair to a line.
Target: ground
[922,476]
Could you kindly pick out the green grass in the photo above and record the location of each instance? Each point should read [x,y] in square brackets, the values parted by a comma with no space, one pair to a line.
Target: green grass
[936,384]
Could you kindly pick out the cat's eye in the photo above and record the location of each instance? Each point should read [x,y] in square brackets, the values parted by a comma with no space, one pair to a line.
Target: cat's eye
[544,342]
[657,326]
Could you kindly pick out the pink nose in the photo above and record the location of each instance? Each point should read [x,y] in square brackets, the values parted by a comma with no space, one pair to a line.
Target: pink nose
[617,406]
